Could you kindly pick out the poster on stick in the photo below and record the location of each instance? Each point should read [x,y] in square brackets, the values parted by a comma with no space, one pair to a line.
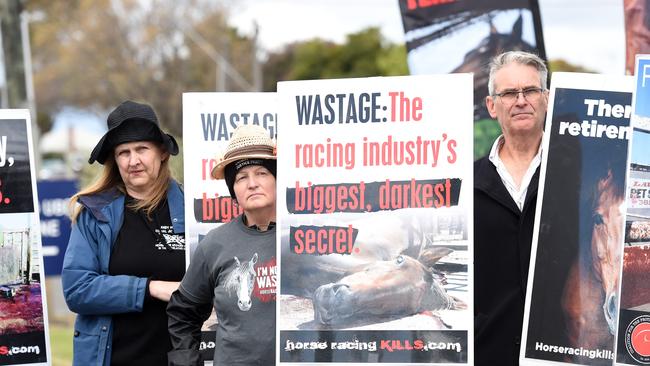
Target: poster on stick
[571,299]
[23,313]
[375,208]
[209,120]
[632,344]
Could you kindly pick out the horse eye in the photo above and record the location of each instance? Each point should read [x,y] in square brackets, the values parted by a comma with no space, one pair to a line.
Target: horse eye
[611,305]
[399,259]
[598,219]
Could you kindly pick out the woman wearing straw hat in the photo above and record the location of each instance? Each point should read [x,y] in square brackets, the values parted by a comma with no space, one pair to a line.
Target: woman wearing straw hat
[234,266]
[126,250]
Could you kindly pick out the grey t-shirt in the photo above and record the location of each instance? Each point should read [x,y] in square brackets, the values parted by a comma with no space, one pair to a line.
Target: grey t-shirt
[235,266]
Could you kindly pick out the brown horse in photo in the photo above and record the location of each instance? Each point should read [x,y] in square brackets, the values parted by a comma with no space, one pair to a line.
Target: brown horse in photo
[399,287]
[590,295]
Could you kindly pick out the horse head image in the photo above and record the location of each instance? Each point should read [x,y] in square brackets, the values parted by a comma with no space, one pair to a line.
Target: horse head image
[402,286]
[590,300]
[241,280]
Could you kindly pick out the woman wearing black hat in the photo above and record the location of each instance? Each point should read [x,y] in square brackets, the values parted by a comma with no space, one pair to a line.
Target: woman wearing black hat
[126,250]
[234,266]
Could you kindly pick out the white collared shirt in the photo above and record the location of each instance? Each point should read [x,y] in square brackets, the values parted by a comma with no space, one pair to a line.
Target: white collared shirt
[518,195]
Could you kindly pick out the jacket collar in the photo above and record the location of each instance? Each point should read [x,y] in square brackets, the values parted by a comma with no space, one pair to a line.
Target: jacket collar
[176,200]
[487,180]
[97,202]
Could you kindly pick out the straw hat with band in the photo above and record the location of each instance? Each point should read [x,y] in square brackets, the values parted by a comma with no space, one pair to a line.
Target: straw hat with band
[129,122]
[249,145]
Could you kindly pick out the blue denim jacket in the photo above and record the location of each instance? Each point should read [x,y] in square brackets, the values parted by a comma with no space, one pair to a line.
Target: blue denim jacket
[88,288]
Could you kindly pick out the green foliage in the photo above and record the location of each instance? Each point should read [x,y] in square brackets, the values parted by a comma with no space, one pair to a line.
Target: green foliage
[313,61]
[566,66]
[53,155]
[485,132]
[44,121]
[364,54]
[392,62]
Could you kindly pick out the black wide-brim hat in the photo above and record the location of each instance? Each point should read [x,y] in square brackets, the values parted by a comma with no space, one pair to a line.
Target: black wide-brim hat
[129,122]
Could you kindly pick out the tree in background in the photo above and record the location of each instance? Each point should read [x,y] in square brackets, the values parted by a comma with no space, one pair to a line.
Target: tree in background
[93,54]
[365,53]
[565,66]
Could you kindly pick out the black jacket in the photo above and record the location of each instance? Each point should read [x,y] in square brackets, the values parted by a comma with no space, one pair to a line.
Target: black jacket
[502,239]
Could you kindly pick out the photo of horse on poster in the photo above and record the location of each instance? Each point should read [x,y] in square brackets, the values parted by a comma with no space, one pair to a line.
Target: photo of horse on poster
[572,295]
[24,330]
[374,218]
[407,265]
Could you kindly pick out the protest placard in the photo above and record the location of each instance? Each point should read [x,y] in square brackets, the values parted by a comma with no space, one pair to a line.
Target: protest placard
[570,313]
[632,344]
[375,208]
[209,120]
[23,311]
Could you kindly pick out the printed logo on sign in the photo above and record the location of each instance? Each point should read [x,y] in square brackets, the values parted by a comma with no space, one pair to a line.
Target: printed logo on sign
[637,339]
[265,278]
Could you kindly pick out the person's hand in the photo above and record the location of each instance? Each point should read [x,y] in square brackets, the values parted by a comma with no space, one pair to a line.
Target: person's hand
[162,290]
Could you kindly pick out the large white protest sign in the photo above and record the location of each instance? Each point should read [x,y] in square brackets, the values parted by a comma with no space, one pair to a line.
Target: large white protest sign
[209,120]
[375,208]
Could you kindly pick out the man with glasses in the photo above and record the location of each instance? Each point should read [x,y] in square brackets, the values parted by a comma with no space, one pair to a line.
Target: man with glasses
[505,193]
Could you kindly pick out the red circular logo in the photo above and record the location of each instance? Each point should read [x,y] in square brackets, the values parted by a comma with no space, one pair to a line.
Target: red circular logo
[637,339]
[640,338]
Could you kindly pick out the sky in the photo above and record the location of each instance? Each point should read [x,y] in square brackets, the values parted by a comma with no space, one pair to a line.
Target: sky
[589,33]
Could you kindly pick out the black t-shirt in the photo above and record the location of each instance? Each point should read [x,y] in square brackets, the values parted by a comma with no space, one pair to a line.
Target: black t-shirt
[145,248]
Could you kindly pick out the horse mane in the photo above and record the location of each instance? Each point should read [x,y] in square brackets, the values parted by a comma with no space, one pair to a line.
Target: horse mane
[610,178]
[231,280]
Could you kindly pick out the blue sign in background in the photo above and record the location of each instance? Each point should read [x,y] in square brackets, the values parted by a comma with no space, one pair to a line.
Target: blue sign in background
[642,107]
[53,199]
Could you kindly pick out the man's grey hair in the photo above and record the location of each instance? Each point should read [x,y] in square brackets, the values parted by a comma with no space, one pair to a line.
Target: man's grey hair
[522,58]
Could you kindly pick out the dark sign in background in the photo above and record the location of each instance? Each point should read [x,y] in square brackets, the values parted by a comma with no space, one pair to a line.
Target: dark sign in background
[15,175]
[575,166]
[423,13]
[456,36]
[23,338]
[430,27]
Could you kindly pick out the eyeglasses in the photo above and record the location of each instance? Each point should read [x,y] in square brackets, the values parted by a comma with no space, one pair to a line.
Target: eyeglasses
[511,96]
